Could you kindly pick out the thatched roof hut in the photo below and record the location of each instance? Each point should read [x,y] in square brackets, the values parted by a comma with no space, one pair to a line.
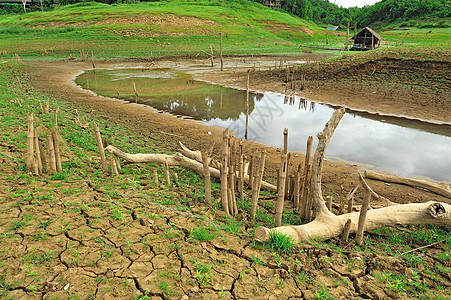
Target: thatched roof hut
[366,39]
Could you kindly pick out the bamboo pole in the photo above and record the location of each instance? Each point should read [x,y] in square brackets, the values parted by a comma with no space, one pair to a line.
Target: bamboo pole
[206,164]
[155,176]
[329,203]
[118,163]
[38,152]
[346,230]
[251,171]
[103,163]
[362,219]
[224,171]
[114,167]
[212,57]
[247,106]
[305,185]
[136,93]
[166,172]
[56,147]
[241,164]
[43,158]
[350,198]
[297,188]
[56,116]
[47,106]
[281,190]
[51,152]
[29,161]
[257,184]
[220,50]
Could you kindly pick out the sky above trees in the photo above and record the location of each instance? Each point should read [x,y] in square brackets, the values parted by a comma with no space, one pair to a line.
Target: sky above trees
[353,3]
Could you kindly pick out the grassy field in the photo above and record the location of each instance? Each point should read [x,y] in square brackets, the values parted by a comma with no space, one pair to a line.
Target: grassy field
[150,30]
[144,30]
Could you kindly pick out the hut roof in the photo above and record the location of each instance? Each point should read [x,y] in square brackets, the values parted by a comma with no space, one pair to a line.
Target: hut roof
[336,28]
[370,30]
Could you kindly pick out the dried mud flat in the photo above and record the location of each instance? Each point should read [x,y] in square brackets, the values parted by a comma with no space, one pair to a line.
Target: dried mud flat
[73,240]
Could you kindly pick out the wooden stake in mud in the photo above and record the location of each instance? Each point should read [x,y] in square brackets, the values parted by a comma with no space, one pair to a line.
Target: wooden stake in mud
[212,56]
[47,106]
[114,167]
[346,230]
[247,106]
[117,91]
[329,203]
[56,116]
[281,190]
[51,152]
[155,176]
[241,163]
[166,172]
[118,163]
[206,164]
[297,188]
[103,163]
[257,184]
[362,219]
[220,50]
[350,198]
[302,81]
[327,38]
[285,151]
[224,171]
[231,179]
[56,146]
[92,60]
[136,93]
[305,211]
[29,161]
[347,35]
[402,43]
[38,152]
[251,171]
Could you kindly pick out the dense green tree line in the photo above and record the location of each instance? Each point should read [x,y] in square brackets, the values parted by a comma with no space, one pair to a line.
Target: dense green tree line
[385,11]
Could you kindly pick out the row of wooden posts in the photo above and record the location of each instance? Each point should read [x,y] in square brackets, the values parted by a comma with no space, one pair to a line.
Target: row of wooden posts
[38,161]
[233,170]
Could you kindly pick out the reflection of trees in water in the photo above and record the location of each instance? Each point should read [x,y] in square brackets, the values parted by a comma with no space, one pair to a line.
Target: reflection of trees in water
[181,95]
[205,103]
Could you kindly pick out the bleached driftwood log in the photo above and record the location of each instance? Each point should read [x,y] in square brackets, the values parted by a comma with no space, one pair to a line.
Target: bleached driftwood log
[327,225]
[196,155]
[174,160]
[442,189]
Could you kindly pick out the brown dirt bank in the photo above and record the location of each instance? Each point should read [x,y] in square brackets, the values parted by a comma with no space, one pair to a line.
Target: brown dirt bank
[55,78]
[388,85]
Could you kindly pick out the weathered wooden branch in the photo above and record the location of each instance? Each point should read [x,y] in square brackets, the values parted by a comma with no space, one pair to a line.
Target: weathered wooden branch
[196,155]
[327,225]
[177,159]
[442,189]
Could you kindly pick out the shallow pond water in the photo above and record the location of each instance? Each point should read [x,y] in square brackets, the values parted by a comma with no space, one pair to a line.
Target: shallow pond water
[405,147]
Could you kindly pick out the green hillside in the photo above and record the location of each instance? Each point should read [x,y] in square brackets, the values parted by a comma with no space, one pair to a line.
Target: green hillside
[154,29]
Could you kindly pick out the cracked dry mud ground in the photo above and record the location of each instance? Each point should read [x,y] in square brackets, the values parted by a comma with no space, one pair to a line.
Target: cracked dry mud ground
[86,246]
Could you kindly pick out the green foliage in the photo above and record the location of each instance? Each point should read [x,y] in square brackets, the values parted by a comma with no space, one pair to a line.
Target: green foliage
[201,234]
[281,242]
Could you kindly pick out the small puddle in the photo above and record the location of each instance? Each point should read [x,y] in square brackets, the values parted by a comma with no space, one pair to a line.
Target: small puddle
[402,146]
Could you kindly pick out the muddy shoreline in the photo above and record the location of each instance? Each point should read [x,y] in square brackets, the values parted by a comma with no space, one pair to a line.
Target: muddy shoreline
[57,78]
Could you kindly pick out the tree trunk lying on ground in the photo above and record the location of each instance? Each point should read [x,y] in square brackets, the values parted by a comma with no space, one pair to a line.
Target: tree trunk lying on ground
[442,189]
[174,160]
[327,225]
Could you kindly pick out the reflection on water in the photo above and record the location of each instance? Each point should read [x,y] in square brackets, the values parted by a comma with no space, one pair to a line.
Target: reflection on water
[405,147]
[170,92]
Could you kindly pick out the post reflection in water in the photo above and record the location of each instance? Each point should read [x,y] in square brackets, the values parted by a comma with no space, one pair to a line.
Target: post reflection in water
[405,147]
